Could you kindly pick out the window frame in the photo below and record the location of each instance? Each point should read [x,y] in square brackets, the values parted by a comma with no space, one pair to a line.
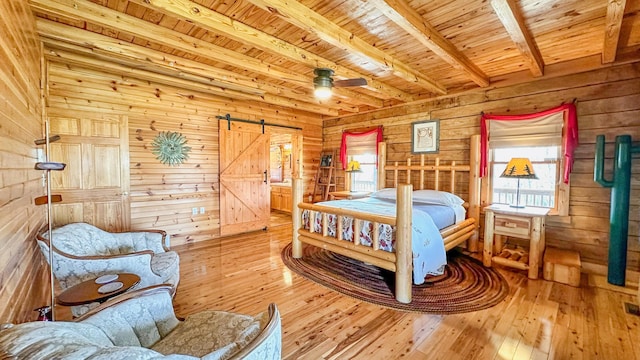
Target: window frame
[569,143]
[561,194]
[351,178]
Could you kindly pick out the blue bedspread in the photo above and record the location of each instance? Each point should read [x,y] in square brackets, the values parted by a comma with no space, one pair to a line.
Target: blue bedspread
[429,256]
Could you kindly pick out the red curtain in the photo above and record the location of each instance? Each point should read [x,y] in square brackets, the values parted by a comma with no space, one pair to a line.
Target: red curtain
[569,136]
[346,134]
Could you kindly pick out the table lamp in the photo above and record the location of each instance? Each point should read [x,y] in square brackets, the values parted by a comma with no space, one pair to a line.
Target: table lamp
[353,167]
[519,168]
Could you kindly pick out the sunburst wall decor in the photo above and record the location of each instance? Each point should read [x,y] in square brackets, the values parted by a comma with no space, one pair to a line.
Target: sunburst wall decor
[169,147]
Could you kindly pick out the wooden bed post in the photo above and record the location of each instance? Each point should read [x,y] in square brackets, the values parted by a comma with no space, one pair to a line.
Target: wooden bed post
[296,215]
[474,189]
[404,251]
[382,158]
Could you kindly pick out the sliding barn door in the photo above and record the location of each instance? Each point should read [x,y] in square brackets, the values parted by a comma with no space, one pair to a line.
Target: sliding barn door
[95,184]
[244,177]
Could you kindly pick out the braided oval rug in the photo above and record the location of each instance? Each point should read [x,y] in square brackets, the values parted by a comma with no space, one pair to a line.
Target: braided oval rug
[465,286]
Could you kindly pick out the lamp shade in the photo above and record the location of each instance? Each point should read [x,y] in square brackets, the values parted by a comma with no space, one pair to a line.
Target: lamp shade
[519,168]
[353,165]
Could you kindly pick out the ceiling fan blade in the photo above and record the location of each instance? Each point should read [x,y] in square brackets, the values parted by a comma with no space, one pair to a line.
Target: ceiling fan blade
[350,82]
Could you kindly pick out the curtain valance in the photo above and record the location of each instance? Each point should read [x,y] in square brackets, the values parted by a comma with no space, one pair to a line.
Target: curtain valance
[541,123]
[359,143]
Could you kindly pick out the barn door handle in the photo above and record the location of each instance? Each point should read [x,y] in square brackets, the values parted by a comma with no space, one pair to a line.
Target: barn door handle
[265,176]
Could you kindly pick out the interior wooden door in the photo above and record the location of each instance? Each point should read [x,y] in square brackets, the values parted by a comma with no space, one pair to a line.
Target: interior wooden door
[95,183]
[244,177]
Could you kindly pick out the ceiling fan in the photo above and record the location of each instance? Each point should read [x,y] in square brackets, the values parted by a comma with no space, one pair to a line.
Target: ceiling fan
[323,82]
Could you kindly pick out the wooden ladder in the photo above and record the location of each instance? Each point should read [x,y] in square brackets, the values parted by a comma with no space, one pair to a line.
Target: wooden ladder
[325,176]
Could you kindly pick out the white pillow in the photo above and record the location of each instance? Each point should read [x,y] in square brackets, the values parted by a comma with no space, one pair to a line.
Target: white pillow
[437,197]
[387,194]
[423,196]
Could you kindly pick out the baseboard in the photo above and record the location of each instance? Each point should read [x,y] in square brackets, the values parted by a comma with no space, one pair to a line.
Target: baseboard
[599,269]
[597,275]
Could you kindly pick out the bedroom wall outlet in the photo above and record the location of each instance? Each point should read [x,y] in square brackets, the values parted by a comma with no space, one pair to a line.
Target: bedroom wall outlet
[194,211]
[202,210]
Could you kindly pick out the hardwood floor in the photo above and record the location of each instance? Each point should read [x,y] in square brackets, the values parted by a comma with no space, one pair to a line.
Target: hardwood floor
[538,320]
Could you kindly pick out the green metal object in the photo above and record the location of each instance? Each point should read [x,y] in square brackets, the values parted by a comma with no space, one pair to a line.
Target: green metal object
[620,190]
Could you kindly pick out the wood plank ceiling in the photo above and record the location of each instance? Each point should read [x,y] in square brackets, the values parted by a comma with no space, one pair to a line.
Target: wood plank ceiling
[407,50]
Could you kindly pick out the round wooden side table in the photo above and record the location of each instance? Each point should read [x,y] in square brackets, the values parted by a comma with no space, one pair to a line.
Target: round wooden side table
[87,292]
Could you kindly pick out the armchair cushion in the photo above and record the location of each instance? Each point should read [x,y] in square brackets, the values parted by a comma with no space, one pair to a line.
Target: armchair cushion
[140,321]
[167,266]
[82,251]
[194,335]
[96,241]
[142,325]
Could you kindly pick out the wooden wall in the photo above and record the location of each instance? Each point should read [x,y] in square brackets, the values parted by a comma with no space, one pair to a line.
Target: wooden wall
[163,196]
[24,281]
[608,102]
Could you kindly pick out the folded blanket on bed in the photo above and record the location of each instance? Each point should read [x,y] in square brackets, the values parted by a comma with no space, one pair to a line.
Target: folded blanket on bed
[429,256]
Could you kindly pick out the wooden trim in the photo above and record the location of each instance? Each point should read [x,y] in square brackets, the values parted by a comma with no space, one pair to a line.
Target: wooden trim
[42,200]
[218,23]
[303,17]
[613,24]
[513,22]
[414,24]
[404,250]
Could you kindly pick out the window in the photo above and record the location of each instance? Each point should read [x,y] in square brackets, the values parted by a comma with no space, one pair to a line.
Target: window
[547,139]
[539,192]
[367,178]
[363,148]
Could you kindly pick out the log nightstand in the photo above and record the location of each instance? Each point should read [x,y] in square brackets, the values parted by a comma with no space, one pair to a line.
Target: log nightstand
[524,223]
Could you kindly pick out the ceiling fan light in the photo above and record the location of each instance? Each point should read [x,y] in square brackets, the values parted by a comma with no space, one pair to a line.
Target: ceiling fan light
[322,83]
[322,92]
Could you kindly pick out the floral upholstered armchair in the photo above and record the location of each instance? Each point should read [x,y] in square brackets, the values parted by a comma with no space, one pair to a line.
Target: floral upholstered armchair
[142,325]
[82,251]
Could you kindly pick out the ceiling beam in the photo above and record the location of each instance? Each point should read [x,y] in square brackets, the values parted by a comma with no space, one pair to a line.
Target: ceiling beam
[414,24]
[105,65]
[84,10]
[220,24]
[54,34]
[67,53]
[613,23]
[513,22]
[308,20]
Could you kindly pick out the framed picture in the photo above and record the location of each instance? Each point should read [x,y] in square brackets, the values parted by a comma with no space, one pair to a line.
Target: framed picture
[326,160]
[425,137]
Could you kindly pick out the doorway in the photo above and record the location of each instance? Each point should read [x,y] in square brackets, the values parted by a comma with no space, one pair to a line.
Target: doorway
[246,196]
[281,173]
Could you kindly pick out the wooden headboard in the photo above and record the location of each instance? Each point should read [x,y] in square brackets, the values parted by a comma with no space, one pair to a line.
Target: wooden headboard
[424,170]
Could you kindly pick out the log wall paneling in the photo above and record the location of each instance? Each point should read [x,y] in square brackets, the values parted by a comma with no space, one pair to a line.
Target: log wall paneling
[608,102]
[164,196]
[25,281]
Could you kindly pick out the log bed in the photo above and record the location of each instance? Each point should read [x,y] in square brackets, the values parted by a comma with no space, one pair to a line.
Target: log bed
[399,261]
